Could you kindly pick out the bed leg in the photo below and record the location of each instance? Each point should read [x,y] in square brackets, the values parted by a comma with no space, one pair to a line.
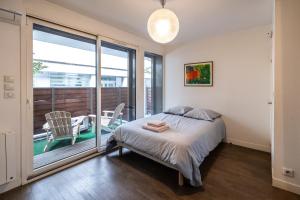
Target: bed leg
[180,179]
[120,151]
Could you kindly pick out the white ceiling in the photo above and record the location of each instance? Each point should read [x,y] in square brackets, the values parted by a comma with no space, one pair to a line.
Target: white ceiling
[198,18]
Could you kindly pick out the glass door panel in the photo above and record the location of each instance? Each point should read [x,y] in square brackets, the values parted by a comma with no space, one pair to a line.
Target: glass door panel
[148,66]
[64,79]
[153,84]
[117,87]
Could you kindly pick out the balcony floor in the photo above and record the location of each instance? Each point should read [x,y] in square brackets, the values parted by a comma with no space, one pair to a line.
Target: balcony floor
[67,151]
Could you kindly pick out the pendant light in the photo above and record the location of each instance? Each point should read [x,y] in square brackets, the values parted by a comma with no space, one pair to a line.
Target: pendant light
[163,25]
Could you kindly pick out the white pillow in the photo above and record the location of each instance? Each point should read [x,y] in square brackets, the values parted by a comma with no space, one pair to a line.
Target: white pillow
[178,110]
[202,114]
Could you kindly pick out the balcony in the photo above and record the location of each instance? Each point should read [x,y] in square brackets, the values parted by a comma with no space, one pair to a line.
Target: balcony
[79,102]
[65,75]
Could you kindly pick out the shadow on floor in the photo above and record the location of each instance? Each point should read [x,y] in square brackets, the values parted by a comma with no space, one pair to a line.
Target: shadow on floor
[163,174]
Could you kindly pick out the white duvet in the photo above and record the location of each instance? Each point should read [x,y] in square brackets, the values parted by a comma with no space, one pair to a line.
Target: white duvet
[184,145]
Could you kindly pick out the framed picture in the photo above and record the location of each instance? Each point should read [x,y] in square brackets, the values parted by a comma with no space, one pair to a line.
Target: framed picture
[198,74]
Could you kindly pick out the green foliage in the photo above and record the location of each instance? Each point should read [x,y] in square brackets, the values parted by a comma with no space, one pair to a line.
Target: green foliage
[147,70]
[37,66]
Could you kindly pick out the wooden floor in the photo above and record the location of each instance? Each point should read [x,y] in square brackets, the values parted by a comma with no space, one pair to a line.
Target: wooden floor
[230,172]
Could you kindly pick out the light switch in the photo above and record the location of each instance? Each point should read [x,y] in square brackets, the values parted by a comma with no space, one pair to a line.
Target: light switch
[8,87]
[9,79]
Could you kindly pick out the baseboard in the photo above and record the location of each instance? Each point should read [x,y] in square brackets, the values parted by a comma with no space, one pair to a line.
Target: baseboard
[9,186]
[250,145]
[291,187]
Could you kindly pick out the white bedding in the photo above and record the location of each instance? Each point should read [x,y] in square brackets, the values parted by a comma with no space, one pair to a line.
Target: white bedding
[184,145]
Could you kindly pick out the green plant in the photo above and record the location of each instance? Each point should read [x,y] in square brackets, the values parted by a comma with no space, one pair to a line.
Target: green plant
[147,70]
[37,66]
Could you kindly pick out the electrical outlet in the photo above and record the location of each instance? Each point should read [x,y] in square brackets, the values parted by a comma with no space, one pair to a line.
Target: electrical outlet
[288,172]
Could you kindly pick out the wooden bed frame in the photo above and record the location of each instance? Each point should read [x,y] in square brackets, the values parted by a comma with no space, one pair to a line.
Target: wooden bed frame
[122,145]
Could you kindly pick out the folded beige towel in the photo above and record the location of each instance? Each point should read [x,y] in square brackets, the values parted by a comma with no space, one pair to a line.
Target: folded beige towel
[156,123]
[156,129]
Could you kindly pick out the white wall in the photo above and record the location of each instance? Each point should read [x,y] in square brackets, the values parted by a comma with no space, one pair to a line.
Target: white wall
[14,5]
[10,65]
[242,73]
[287,94]
[10,109]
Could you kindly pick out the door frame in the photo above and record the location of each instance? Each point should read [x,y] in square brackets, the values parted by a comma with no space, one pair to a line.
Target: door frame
[28,173]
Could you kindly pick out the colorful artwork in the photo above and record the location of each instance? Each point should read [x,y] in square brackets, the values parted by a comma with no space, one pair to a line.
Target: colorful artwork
[198,74]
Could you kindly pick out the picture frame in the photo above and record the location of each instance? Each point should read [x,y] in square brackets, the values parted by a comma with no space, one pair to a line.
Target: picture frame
[198,74]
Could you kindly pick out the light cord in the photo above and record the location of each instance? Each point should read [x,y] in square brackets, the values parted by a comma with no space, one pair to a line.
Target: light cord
[163,3]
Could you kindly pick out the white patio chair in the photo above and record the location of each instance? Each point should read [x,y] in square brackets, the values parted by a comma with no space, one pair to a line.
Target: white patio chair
[59,126]
[110,119]
[84,123]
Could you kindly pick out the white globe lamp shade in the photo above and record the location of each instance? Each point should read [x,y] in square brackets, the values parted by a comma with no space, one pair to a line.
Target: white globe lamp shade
[163,25]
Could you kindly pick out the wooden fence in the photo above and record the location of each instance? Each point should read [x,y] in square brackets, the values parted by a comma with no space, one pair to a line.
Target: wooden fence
[77,101]
[148,100]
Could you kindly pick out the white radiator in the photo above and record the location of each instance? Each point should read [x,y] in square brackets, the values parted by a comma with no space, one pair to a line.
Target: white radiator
[7,157]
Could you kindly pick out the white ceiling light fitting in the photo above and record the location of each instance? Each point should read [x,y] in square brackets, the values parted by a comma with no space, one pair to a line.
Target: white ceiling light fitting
[163,25]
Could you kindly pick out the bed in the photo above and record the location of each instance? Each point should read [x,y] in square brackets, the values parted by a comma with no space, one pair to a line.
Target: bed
[183,147]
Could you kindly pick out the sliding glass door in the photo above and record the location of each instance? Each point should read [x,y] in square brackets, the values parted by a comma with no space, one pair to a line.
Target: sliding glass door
[79,89]
[153,84]
[117,87]
[148,72]
[64,84]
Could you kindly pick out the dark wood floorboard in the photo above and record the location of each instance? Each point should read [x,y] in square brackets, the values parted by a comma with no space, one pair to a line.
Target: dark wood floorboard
[229,172]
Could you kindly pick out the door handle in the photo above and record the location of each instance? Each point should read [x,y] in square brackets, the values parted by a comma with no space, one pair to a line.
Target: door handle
[28,103]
